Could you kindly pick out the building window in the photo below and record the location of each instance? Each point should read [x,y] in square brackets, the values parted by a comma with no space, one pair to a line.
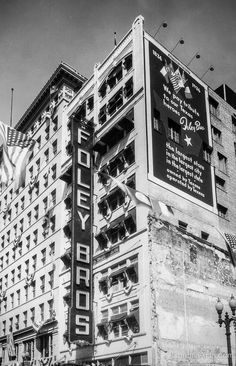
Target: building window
[52,249]
[1,263]
[222,211]
[31,172]
[128,89]
[216,135]
[204,235]
[18,297]
[46,156]
[41,307]
[8,237]
[54,147]
[22,203]
[233,124]
[102,90]
[47,132]
[21,228]
[17,323]
[35,237]
[10,324]
[25,318]
[4,327]
[128,62]
[222,163]
[28,242]
[9,215]
[102,116]
[207,154]
[36,212]
[32,314]
[33,286]
[46,346]
[12,300]
[38,143]
[51,308]
[45,204]
[51,279]
[115,102]
[45,177]
[183,226]
[115,76]
[27,267]
[13,276]
[7,258]
[174,131]
[38,166]
[2,241]
[42,286]
[16,208]
[54,171]
[220,183]
[34,265]
[55,123]
[139,359]
[19,272]
[29,216]
[90,103]
[28,347]
[213,104]
[43,258]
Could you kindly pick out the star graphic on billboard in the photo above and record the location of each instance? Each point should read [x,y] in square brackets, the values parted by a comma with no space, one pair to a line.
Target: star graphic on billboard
[188,140]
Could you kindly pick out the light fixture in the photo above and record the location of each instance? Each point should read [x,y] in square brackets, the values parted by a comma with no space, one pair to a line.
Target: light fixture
[227,321]
[162,25]
[211,68]
[197,56]
[180,41]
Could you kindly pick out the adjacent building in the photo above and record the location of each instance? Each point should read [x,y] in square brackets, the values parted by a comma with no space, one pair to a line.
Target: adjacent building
[116,255]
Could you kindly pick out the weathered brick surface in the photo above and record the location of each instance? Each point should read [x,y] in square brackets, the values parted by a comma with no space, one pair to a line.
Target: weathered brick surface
[186,278]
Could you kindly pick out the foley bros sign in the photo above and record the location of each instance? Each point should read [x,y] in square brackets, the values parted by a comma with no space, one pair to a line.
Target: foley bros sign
[180,133]
[80,316]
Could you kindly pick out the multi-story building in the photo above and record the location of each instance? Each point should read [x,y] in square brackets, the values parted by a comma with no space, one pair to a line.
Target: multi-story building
[144,194]
[157,271]
[31,242]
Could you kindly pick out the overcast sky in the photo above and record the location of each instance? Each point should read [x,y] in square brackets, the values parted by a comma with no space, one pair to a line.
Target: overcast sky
[35,35]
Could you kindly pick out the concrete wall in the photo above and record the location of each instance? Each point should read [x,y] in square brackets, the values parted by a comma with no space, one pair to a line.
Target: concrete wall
[186,278]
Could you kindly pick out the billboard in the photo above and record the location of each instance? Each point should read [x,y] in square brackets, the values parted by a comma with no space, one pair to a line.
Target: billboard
[180,135]
[80,312]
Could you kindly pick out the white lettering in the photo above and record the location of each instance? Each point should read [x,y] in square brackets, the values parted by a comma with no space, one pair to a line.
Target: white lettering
[82,199]
[84,158]
[82,300]
[83,323]
[83,253]
[82,276]
[79,179]
[83,219]
[82,135]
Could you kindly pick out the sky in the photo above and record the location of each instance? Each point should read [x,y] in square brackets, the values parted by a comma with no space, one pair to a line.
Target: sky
[36,35]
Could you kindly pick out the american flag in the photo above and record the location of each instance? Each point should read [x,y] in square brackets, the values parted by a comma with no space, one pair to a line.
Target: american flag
[16,147]
[176,80]
[231,246]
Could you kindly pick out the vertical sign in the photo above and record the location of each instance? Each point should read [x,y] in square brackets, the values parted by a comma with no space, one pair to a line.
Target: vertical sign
[80,314]
[180,131]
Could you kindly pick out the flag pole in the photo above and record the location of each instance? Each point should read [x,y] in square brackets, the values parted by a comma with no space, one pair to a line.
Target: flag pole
[12,90]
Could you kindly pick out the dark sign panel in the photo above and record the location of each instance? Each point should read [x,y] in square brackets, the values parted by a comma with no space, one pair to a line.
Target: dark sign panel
[180,132]
[80,314]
